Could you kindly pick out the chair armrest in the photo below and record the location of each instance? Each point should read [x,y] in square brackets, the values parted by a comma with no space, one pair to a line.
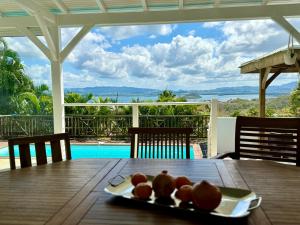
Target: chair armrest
[224,155]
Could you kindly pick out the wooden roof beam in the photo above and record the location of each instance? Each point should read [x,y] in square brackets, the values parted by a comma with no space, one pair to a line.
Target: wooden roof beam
[269,81]
[101,5]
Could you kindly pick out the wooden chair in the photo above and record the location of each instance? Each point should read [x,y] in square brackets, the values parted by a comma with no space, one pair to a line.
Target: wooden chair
[163,143]
[275,139]
[40,149]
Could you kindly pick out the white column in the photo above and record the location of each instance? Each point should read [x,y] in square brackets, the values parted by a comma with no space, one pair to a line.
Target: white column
[58,97]
[53,52]
[212,132]
[57,84]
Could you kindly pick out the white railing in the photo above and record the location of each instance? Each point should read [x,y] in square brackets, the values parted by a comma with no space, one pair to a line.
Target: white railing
[212,130]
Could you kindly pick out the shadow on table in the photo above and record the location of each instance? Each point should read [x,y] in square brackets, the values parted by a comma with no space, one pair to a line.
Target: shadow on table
[182,214]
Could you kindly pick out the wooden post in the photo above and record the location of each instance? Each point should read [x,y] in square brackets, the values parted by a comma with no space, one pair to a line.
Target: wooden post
[263,76]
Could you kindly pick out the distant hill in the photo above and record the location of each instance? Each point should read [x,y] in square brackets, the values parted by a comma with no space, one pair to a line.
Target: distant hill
[243,90]
[133,91]
[107,91]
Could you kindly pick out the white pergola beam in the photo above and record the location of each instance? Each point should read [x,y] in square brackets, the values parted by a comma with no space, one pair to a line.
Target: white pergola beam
[217,3]
[180,3]
[281,21]
[62,6]
[101,5]
[178,16]
[156,17]
[145,5]
[36,41]
[35,9]
[265,2]
[48,37]
[72,44]
[13,22]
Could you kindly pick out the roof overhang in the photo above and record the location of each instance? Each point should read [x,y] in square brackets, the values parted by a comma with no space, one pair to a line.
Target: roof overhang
[274,60]
[133,12]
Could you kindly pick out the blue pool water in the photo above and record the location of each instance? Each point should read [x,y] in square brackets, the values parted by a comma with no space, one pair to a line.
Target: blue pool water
[87,151]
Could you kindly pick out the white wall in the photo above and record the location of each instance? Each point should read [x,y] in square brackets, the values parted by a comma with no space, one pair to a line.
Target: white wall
[225,134]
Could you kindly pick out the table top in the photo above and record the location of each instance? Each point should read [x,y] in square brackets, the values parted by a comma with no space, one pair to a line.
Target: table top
[72,192]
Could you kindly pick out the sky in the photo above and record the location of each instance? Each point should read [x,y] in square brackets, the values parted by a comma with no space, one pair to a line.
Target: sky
[190,56]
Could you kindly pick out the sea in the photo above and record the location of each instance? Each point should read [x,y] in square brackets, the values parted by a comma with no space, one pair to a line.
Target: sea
[203,98]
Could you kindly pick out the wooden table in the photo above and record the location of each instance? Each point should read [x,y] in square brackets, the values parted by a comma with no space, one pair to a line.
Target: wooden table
[72,192]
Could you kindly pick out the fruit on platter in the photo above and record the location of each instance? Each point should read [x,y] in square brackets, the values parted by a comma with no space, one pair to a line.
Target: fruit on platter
[137,178]
[184,193]
[142,191]
[206,196]
[163,185]
[182,180]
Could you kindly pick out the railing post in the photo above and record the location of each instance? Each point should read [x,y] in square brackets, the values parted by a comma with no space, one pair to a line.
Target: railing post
[135,123]
[212,130]
[135,116]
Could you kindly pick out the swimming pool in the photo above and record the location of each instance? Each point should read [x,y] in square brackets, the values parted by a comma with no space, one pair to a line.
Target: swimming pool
[88,151]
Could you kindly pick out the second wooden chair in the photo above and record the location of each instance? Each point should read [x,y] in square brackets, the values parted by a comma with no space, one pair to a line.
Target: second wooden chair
[162,143]
[275,139]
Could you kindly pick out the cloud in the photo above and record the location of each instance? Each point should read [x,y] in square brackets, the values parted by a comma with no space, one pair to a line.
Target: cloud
[40,74]
[161,61]
[25,48]
[125,32]
[250,36]
[212,24]
[187,61]
[179,62]
[92,43]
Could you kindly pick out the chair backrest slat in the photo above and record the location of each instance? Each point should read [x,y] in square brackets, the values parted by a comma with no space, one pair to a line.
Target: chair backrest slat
[12,161]
[268,138]
[56,151]
[161,142]
[187,137]
[41,156]
[25,156]
[39,142]
[68,147]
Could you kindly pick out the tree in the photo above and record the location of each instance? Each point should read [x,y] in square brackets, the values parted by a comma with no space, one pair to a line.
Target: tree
[13,80]
[73,97]
[45,99]
[166,96]
[295,101]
